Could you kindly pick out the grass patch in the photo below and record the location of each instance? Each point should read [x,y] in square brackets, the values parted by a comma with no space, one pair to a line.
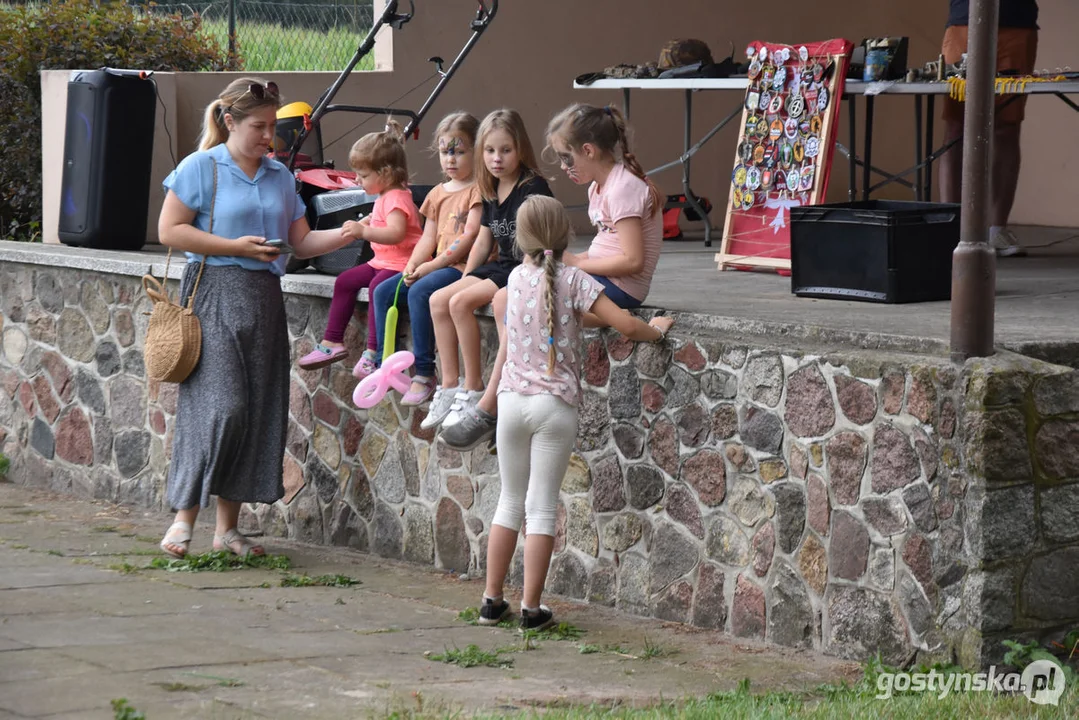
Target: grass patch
[125,568]
[652,650]
[147,539]
[57,553]
[264,46]
[338,581]
[472,656]
[19,546]
[588,649]
[221,561]
[122,710]
[561,631]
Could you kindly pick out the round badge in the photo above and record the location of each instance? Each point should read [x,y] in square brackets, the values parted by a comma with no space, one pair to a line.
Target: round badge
[803,127]
[766,179]
[751,125]
[775,130]
[751,52]
[822,101]
[747,200]
[766,99]
[758,155]
[771,157]
[745,151]
[815,125]
[805,178]
[736,198]
[786,155]
[738,177]
[780,79]
[799,152]
[818,72]
[775,105]
[812,146]
[753,178]
[780,180]
[754,69]
[793,178]
[753,98]
[795,106]
[810,96]
[768,74]
[803,53]
[795,85]
[790,128]
[762,54]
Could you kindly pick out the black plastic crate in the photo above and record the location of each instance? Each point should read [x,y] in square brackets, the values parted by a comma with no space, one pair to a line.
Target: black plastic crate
[887,251]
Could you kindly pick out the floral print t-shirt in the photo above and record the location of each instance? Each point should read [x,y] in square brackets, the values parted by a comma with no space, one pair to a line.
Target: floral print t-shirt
[527,347]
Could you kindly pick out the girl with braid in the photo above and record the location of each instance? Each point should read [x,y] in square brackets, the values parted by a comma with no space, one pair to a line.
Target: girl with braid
[592,146]
[538,394]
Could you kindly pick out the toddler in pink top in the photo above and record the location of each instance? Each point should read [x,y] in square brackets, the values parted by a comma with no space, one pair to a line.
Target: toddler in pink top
[393,229]
[538,397]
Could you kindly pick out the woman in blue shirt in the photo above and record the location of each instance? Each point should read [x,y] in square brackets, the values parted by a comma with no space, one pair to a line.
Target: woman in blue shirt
[232,412]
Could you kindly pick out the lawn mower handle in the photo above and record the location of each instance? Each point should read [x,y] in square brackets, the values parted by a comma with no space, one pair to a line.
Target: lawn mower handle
[484,15]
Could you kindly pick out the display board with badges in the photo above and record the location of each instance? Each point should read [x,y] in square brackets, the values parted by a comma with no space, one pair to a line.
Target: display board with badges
[785,147]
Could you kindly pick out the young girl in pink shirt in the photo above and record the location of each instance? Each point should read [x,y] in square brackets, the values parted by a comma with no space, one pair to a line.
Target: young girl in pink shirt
[538,395]
[392,228]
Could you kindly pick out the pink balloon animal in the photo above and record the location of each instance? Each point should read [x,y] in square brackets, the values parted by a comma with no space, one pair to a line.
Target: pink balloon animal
[374,387]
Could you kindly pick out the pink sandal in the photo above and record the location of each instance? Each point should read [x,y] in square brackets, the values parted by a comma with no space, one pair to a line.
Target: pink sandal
[412,397]
[365,366]
[322,356]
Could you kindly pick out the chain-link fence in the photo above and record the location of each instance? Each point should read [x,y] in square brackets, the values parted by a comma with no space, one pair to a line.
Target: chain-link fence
[296,35]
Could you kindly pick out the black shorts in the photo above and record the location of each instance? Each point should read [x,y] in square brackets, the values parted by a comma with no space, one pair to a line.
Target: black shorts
[497,272]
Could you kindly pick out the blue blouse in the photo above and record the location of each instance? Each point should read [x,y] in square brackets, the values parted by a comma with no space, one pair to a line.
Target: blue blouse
[266,206]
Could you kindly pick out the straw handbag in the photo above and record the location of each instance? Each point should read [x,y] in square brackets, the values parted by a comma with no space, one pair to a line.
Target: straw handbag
[174,336]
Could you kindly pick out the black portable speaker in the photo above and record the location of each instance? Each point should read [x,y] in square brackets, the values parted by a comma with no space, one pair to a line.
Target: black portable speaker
[108,149]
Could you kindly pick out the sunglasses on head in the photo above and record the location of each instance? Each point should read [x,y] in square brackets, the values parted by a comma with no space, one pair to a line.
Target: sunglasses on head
[262,91]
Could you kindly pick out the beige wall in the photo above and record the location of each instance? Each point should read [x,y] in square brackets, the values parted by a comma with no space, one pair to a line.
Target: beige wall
[532,52]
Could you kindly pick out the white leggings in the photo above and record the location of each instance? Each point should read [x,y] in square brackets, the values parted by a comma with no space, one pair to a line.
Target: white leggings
[535,437]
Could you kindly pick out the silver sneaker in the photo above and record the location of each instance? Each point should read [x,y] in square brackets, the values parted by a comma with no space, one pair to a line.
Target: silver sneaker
[463,400]
[1005,244]
[440,407]
[475,428]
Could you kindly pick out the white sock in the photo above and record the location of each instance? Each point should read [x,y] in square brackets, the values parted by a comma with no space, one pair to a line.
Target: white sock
[993,230]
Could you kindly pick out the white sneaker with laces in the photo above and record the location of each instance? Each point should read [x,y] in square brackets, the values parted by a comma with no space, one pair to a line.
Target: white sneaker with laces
[1004,243]
[463,400]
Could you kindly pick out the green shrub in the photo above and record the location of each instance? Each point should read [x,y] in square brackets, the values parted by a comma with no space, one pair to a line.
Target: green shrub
[77,34]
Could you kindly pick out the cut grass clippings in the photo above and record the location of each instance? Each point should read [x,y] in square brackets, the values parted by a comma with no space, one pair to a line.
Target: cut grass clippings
[221,561]
[338,581]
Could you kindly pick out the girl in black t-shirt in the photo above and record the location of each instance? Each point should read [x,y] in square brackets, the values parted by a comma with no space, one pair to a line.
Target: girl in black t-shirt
[506,173]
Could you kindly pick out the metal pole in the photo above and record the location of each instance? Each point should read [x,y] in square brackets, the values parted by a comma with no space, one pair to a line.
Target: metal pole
[974,262]
[232,30]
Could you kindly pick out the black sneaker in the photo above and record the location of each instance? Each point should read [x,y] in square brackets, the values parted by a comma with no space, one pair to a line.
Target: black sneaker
[492,611]
[540,619]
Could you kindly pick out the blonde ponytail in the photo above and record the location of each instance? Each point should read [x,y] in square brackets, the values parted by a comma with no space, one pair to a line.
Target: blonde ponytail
[550,268]
[214,131]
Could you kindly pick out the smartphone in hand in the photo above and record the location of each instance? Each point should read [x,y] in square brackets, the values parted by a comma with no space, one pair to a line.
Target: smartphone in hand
[282,247]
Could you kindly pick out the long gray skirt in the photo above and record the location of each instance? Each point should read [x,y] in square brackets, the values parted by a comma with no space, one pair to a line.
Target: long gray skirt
[232,411]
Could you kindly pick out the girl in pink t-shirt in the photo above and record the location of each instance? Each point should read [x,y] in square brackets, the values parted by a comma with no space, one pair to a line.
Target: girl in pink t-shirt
[538,397]
[392,228]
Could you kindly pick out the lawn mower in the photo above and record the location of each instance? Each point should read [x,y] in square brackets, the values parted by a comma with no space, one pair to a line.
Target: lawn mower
[333,196]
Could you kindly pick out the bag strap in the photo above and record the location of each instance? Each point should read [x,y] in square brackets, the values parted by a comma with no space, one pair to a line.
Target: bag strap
[161,289]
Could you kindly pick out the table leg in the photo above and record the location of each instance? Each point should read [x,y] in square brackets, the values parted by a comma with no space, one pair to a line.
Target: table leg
[927,191]
[867,154]
[852,192]
[625,103]
[918,158]
[690,197]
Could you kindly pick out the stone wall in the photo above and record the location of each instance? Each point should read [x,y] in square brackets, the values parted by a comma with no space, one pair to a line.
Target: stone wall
[851,502]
